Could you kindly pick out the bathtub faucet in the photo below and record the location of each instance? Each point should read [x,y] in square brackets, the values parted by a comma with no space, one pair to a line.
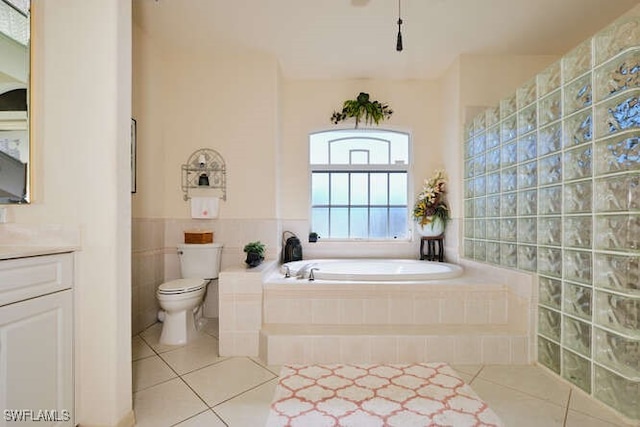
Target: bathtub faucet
[311,276]
[287,271]
[300,274]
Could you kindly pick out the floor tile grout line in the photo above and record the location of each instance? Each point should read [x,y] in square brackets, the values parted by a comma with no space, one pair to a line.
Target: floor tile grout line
[158,353]
[180,376]
[611,412]
[212,408]
[244,392]
[600,417]
[181,379]
[173,348]
[522,391]
[476,375]
[179,348]
[566,411]
[147,343]
[223,359]
[219,417]
[156,384]
[264,367]
[143,358]
[198,395]
[571,390]
[190,417]
[185,382]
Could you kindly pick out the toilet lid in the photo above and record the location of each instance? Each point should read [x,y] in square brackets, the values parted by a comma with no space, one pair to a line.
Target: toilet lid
[181,286]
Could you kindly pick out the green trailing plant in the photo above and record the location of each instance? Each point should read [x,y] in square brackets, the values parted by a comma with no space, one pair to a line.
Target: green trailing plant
[362,108]
[255,247]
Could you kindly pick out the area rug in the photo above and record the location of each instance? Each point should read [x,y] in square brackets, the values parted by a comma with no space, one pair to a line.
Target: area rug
[407,395]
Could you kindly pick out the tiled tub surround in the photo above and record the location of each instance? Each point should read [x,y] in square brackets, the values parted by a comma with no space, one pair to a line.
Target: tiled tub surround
[469,319]
[552,185]
[240,295]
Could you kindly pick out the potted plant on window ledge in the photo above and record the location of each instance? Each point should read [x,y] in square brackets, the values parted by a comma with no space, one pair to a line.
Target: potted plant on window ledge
[362,107]
[430,210]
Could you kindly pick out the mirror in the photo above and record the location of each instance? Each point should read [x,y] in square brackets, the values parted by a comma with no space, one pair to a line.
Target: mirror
[14,101]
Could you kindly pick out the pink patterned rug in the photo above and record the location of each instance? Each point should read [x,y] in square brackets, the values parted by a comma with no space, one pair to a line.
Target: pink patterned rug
[420,394]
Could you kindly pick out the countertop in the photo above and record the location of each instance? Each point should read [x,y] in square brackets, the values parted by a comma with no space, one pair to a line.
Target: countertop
[10,251]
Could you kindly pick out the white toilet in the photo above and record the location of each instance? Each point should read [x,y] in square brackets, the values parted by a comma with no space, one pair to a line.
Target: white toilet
[181,299]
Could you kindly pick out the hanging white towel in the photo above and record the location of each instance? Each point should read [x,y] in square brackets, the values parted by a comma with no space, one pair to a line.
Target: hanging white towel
[204,207]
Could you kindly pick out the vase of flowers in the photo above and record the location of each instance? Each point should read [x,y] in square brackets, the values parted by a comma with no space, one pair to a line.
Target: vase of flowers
[430,211]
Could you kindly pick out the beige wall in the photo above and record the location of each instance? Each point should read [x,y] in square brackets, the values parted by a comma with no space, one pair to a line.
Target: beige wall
[82,98]
[308,105]
[148,73]
[190,101]
[451,123]
[241,106]
[486,79]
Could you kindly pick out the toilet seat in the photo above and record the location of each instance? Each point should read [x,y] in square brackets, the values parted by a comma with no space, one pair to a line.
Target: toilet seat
[181,286]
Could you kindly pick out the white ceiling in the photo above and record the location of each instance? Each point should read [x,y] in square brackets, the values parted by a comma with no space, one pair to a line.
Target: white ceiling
[357,38]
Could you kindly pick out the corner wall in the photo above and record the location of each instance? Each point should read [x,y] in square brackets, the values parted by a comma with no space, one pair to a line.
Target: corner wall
[81,126]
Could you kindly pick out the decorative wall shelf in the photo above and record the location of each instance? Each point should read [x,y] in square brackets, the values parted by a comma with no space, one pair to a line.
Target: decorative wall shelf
[205,169]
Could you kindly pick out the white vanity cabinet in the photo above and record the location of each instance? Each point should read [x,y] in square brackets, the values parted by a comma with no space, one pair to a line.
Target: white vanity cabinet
[36,340]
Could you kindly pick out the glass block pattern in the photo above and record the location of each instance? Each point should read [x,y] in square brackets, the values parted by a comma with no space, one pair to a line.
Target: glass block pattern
[557,192]
[549,79]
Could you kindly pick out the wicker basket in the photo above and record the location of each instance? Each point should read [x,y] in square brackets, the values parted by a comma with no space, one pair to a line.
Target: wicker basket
[198,237]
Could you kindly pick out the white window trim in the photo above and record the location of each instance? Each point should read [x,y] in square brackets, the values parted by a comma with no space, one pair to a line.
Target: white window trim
[403,167]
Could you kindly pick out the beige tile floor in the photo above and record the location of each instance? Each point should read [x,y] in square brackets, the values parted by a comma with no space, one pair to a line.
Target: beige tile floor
[191,386]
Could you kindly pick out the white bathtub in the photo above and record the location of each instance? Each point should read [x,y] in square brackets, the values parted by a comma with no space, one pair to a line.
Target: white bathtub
[372,270]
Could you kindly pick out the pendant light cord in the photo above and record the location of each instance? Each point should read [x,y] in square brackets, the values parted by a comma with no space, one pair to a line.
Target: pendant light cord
[399,39]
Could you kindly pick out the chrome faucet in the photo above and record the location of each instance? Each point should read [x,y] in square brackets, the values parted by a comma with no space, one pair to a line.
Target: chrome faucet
[311,276]
[287,271]
[302,270]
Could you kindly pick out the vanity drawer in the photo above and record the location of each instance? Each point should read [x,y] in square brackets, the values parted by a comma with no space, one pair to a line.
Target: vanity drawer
[30,277]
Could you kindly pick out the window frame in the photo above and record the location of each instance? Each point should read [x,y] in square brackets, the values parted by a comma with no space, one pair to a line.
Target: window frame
[388,168]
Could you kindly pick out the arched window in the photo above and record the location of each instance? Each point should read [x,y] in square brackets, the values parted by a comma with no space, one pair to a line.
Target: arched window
[359,184]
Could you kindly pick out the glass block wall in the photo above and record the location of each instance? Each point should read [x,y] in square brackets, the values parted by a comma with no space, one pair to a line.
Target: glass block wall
[552,186]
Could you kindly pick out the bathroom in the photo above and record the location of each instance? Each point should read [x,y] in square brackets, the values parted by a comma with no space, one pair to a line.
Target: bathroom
[433,110]
[419,102]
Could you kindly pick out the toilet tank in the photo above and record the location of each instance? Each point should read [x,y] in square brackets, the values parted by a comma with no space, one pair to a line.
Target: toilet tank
[200,260]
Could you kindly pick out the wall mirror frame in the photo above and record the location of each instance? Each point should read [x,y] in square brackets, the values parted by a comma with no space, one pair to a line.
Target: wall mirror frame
[15,76]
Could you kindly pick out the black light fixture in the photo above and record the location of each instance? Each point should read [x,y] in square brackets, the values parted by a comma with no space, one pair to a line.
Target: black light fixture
[399,41]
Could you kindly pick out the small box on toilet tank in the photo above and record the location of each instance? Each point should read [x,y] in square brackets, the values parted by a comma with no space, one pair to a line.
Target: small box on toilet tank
[202,237]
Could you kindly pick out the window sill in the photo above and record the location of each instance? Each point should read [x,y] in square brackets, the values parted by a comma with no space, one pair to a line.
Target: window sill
[364,248]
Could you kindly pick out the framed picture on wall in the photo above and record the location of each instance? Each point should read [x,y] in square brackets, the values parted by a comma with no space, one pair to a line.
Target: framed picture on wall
[133,155]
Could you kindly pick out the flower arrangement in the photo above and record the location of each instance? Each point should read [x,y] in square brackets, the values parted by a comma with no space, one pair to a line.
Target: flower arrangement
[431,203]
[362,107]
